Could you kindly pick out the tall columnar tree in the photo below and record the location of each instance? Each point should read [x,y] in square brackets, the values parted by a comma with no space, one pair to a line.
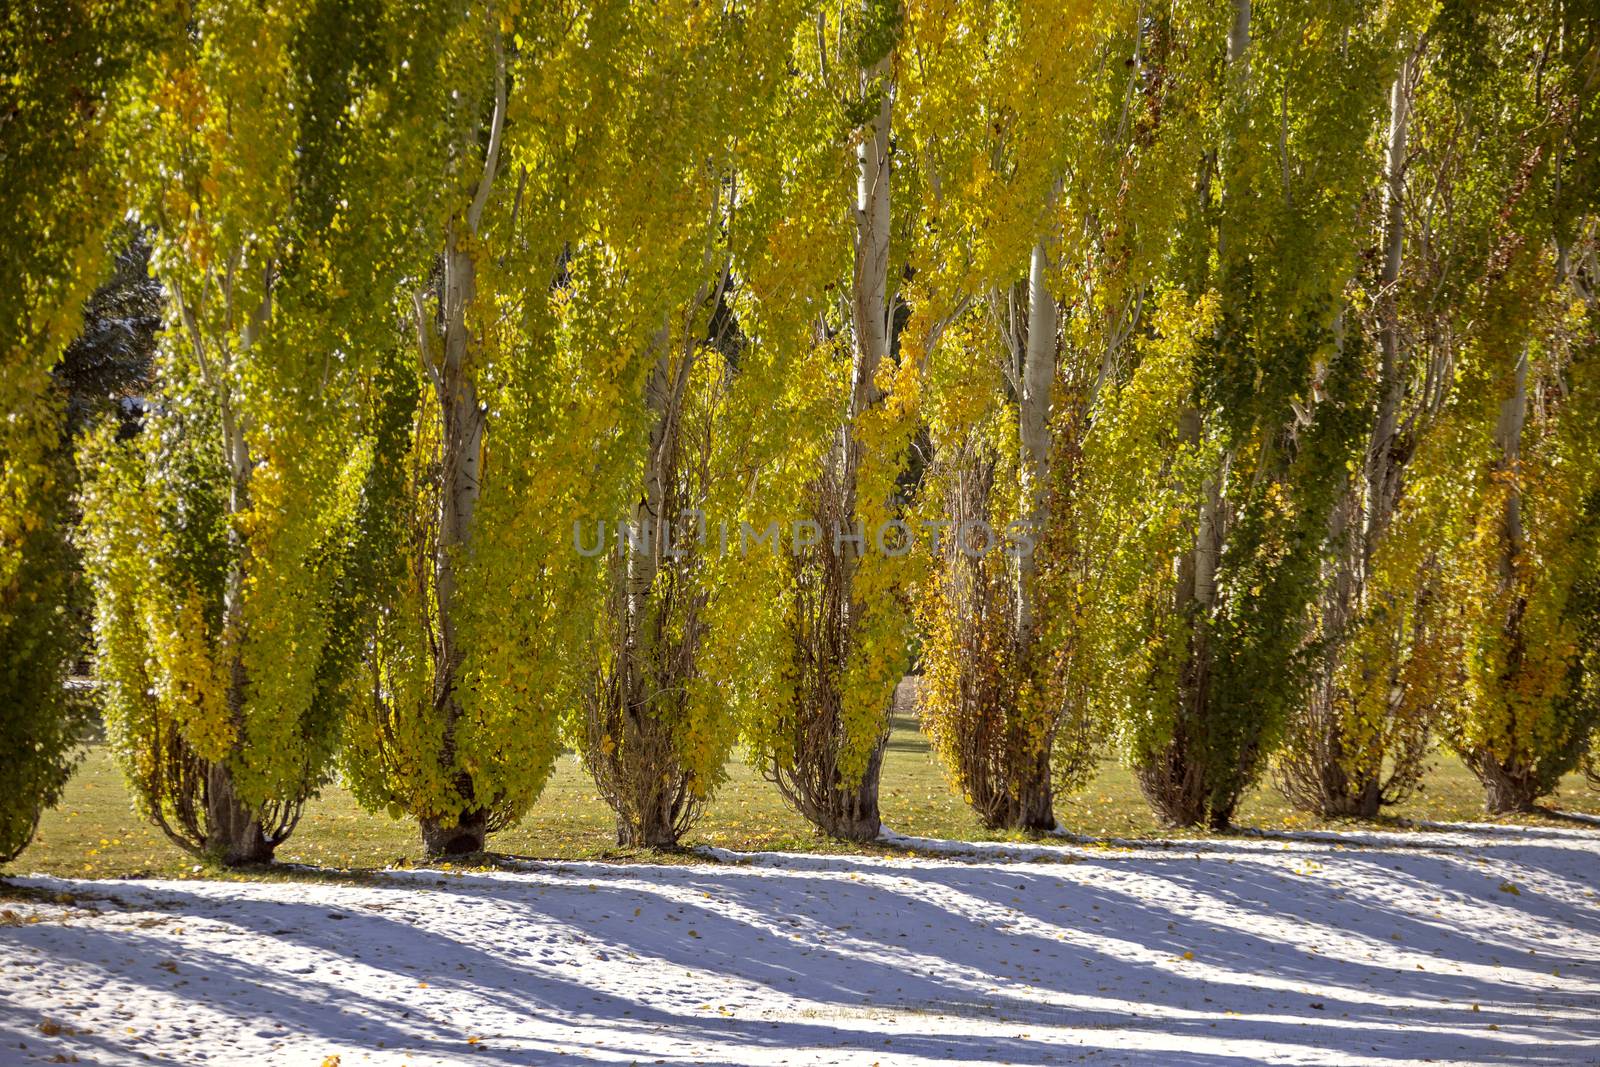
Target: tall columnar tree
[657,730]
[454,727]
[409,748]
[1361,736]
[1503,493]
[63,66]
[229,546]
[1009,394]
[847,620]
[568,267]
[1270,375]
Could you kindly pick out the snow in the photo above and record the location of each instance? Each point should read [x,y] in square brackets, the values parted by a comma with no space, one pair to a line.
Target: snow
[1454,944]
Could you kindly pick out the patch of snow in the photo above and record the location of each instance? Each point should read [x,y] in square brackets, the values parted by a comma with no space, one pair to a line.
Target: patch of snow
[1457,944]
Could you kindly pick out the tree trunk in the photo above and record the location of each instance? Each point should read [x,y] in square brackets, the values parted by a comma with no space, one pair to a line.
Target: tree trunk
[653,828]
[443,838]
[650,779]
[1175,780]
[1508,436]
[1239,32]
[868,292]
[1035,804]
[1505,792]
[852,812]
[1032,807]
[1033,418]
[461,457]
[234,835]
[870,279]
[1382,464]
[1359,521]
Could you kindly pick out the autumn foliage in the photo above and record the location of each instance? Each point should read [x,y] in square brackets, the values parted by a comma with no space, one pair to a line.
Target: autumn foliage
[494,331]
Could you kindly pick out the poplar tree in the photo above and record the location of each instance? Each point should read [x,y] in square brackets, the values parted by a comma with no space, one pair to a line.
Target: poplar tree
[1257,375]
[230,546]
[657,727]
[1009,394]
[1508,496]
[458,721]
[1361,736]
[63,66]
[847,621]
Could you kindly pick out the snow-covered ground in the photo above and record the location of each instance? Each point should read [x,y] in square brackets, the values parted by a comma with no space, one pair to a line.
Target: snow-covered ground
[1462,945]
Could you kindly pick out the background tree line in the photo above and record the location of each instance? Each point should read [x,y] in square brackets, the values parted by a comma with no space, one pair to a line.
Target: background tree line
[1275,319]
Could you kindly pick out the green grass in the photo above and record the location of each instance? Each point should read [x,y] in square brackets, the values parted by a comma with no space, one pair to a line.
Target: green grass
[94,832]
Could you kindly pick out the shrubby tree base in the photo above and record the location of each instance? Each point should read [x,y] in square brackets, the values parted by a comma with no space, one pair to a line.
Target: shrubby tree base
[1026,802]
[461,835]
[1174,787]
[1314,772]
[196,803]
[815,734]
[235,836]
[1504,792]
[1179,788]
[1005,776]
[1327,790]
[837,808]
[985,707]
[634,762]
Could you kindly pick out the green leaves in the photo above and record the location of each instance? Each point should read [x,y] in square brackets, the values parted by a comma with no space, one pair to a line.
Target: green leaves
[429,264]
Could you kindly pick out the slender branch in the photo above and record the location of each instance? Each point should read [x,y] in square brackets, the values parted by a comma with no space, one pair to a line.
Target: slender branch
[491,158]
[424,348]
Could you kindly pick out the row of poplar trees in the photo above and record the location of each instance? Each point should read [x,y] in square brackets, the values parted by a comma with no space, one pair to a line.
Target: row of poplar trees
[1274,320]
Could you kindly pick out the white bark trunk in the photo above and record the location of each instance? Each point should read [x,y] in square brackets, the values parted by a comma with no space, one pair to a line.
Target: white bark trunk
[1038,374]
[461,443]
[1239,33]
[1508,436]
[1382,474]
[869,286]
[1208,535]
[234,834]
[870,281]
[455,385]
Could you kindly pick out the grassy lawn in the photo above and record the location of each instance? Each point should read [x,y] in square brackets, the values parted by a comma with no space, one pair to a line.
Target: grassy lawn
[95,833]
